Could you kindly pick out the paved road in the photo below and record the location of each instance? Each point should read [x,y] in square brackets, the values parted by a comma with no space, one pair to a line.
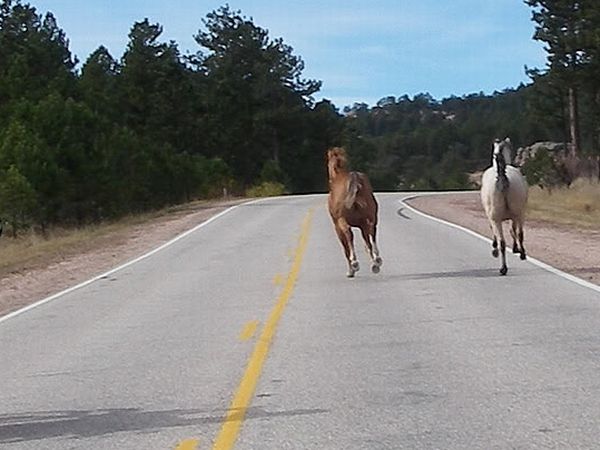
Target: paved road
[246,334]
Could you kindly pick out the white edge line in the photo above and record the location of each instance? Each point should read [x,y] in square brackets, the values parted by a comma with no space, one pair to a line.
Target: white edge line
[129,263]
[538,263]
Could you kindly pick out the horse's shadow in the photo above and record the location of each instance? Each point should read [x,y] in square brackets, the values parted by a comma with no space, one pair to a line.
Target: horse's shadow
[386,276]
[467,273]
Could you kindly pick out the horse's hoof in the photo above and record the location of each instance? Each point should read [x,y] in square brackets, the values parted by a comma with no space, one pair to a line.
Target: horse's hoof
[503,270]
[355,266]
[350,274]
[375,268]
[523,256]
[495,253]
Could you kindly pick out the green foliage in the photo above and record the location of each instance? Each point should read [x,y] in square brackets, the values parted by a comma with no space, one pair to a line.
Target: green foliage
[561,25]
[254,85]
[544,171]
[17,199]
[271,172]
[34,55]
[153,127]
[266,189]
[420,143]
[569,85]
[98,82]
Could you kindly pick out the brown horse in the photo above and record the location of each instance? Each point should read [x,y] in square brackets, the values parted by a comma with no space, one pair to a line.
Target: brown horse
[352,204]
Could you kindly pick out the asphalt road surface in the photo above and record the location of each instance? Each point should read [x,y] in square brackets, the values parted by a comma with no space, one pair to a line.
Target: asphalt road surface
[246,334]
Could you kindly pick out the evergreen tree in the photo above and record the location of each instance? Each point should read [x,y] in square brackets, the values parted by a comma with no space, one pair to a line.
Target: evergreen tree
[561,25]
[17,199]
[34,56]
[153,87]
[591,75]
[98,83]
[255,93]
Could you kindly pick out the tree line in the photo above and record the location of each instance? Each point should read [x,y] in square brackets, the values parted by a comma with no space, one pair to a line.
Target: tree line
[424,143]
[154,127]
[83,143]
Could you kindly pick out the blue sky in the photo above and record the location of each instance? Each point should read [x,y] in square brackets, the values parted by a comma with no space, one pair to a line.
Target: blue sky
[361,50]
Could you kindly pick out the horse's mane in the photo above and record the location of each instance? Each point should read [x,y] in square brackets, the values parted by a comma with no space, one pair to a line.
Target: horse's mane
[340,154]
[502,180]
[501,157]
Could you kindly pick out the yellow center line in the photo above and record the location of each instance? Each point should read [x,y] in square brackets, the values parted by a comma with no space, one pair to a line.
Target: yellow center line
[249,330]
[188,444]
[232,422]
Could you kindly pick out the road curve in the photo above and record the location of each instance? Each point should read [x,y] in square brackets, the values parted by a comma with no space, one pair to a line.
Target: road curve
[246,334]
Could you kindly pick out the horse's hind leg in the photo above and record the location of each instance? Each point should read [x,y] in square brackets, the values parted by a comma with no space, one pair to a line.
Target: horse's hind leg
[495,247]
[368,234]
[498,232]
[378,260]
[521,238]
[347,239]
[513,233]
[494,241]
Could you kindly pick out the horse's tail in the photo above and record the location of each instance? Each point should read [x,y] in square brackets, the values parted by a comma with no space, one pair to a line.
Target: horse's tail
[506,202]
[354,186]
[502,184]
[501,177]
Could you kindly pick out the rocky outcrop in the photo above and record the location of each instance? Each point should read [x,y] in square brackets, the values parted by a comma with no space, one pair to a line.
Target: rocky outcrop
[558,150]
[566,167]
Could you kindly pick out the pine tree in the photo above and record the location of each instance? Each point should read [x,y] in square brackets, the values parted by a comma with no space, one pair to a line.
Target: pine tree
[17,199]
[561,25]
[255,86]
[155,87]
[98,83]
[34,55]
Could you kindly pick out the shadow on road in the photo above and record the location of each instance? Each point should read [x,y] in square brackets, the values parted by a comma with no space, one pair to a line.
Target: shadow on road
[468,273]
[32,426]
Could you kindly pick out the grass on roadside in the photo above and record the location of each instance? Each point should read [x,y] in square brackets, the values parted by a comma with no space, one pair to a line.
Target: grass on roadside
[577,206]
[31,250]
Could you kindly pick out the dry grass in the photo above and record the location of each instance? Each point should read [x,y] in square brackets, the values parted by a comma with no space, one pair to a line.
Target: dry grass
[577,206]
[32,250]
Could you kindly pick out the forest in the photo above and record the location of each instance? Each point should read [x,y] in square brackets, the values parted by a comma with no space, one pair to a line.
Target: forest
[93,140]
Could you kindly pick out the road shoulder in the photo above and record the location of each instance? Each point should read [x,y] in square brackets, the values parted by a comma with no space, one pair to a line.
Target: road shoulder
[575,251]
[29,285]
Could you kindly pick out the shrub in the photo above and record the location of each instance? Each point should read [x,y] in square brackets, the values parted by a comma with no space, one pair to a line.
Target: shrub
[17,199]
[266,189]
[544,171]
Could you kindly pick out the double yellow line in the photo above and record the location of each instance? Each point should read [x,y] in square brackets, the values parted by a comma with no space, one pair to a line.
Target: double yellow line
[232,422]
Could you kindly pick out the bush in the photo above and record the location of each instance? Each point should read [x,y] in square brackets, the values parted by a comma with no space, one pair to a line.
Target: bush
[266,189]
[271,172]
[17,200]
[544,171]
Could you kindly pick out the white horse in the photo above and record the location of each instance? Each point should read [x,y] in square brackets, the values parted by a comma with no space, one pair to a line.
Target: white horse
[504,197]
